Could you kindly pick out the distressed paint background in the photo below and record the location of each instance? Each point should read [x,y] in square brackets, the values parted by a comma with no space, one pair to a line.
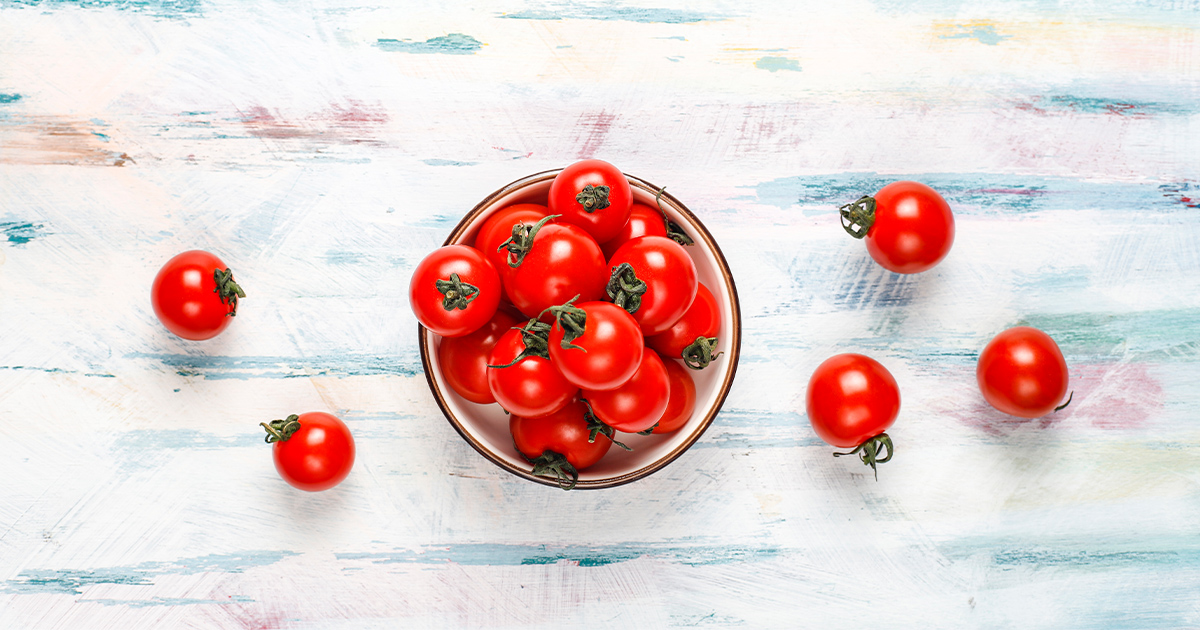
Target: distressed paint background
[322,147]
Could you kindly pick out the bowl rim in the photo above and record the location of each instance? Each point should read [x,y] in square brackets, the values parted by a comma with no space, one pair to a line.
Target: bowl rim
[732,354]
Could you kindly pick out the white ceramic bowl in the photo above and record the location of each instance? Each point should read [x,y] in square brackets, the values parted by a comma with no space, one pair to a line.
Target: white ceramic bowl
[485,427]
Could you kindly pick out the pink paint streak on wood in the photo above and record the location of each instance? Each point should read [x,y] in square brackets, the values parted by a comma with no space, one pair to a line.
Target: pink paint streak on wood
[355,123]
[596,127]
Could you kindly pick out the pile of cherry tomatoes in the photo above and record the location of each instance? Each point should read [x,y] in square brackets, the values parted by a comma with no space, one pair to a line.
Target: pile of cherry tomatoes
[583,316]
[577,317]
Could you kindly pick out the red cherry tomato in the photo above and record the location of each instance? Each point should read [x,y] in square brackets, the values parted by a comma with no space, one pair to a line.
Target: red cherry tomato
[194,295]
[464,360]
[682,400]
[694,337]
[608,351]
[910,230]
[454,291]
[561,443]
[643,221]
[640,402]
[498,228]
[665,280]
[1022,372]
[562,262]
[852,400]
[593,195]
[531,386]
[313,451]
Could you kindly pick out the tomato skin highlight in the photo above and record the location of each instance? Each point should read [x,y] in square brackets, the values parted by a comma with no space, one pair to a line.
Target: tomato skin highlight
[565,432]
[612,348]
[702,319]
[498,228]
[318,456]
[184,296]
[670,277]
[564,261]
[638,403]
[643,221]
[464,360]
[850,399]
[603,224]
[913,229]
[1022,372]
[471,267]
[532,387]
[681,401]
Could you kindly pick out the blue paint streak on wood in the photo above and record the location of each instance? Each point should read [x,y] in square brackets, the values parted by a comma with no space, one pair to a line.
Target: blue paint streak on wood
[650,15]
[158,8]
[495,554]
[171,601]
[452,44]
[22,232]
[74,581]
[6,98]
[775,64]
[977,193]
[985,34]
[215,367]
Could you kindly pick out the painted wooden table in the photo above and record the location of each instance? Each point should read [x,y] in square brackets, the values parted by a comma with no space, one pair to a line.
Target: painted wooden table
[323,147]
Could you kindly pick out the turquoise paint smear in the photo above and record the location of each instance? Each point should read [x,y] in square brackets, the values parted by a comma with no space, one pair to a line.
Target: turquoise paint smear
[158,8]
[648,15]
[978,193]
[6,98]
[22,232]
[170,601]
[985,34]
[452,44]
[1071,104]
[146,440]
[33,368]
[212,367]
[775,64]
[341,258]
[70,581]
[488,554]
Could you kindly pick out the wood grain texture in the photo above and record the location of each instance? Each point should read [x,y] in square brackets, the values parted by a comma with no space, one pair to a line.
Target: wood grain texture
[321,148]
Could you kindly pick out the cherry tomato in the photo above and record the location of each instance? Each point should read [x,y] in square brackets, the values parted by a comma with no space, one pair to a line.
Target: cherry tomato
[561,443]
[852,400]
[593,195]
[194,295]
[694,337]
[640,402]
[464,360]
[562,262]
[655,280]
[682,400]
[313,451]
[908,227]
[604,345]
[497,229]
[643,221]
[1022,373]
[454,291]
[531,386]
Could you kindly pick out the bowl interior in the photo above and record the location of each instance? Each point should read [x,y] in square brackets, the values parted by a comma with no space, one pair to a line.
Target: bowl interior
[486,426]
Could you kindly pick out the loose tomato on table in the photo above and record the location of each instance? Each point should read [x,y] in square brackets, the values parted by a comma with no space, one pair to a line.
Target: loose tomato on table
[561,443]
[454,291]
[464,360]
[681,401]
[595,345]
[313,451]
[1022,373]
[908,226]
[654,279]
[522,378]
[194,295]
[643,221]
[639,403]
[498,229]
[693,337]
[554,263]
[852,400]
[593,195]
